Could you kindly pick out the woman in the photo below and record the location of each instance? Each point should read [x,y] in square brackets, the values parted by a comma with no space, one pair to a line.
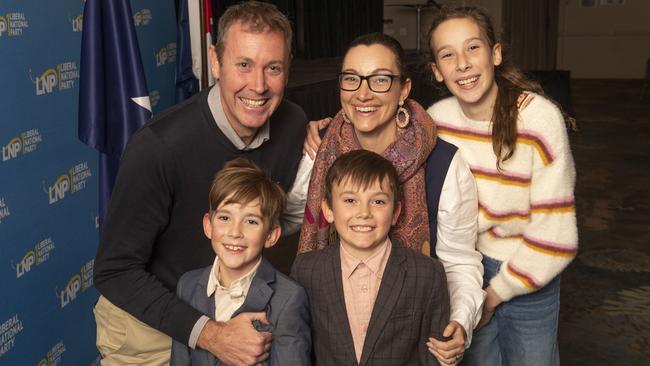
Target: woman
[439,201]
[515,141]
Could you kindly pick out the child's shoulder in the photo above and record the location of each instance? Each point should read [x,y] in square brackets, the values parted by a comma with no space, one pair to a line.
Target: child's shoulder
[194,275]
[421,262]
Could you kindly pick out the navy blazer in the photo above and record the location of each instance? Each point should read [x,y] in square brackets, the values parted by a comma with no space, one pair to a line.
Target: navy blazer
[286,306]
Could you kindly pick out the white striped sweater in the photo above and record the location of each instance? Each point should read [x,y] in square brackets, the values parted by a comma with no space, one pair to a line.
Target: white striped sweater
[527,209]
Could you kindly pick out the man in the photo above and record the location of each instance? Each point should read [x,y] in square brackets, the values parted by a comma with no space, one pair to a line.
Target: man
[152,233]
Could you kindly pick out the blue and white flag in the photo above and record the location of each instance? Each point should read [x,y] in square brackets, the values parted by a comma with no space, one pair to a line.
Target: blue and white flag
[113,97]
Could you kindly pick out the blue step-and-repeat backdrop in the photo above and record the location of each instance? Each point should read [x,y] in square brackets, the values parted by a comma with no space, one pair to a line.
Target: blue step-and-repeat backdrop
[48,179]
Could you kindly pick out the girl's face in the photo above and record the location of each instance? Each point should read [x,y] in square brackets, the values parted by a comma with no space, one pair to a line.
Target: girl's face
[372,113]
[465,63]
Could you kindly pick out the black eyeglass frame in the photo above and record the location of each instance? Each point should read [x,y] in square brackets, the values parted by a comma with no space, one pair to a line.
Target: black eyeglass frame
[367,79]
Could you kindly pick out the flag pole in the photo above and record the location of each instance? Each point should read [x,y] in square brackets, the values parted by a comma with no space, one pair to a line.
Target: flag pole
[204,53]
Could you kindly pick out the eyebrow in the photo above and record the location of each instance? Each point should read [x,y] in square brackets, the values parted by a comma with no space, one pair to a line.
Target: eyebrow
[373,72]
[464,42]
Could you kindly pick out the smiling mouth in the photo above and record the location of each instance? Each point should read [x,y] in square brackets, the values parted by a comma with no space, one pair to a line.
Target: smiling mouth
[234,248]
[468,81]
[253,103]
[361,228]
[365,109]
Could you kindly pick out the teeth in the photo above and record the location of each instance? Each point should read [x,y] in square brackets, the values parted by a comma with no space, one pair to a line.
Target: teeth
[468,81]
[253,102]
[366,109]
[361,228]
[234,248]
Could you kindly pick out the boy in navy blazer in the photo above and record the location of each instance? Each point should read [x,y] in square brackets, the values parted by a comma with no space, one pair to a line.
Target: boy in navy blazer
[245,207]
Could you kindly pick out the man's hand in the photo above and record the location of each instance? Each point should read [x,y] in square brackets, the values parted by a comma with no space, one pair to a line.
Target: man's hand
[236,342]
[312,140]
[492,300]
[451,351]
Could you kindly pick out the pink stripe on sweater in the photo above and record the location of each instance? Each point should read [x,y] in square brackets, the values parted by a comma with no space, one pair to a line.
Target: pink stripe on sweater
[524,276]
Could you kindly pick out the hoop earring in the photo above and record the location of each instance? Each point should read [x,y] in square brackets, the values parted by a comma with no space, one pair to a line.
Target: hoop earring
[345,118]
[402,117]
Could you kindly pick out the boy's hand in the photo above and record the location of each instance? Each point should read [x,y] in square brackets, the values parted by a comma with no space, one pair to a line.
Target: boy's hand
[312,140]
[449,352]
[236,342]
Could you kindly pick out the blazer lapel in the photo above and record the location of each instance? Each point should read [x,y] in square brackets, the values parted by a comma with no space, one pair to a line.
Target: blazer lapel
[389,292]
[203,303]
[334,285]
[260,291]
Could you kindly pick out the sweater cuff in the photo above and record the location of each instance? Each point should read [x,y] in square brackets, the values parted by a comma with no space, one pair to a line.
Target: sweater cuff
[502,288]
[196,331]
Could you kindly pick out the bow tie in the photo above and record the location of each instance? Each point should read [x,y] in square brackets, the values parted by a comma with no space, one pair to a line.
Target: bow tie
[234,291]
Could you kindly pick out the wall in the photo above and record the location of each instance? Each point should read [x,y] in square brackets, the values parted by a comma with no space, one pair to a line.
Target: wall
[403,15]
[605,41]
[48,179]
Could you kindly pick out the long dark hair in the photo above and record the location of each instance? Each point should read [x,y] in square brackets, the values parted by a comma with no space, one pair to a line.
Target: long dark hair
[511,82]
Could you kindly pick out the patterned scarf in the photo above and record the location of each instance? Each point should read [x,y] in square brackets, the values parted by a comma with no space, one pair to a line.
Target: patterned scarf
[408,154]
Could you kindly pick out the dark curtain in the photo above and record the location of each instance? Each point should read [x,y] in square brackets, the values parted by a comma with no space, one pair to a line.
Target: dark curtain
[530,29]
[330,25]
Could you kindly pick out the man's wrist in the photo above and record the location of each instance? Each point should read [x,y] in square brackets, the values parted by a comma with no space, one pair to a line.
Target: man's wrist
[197,330]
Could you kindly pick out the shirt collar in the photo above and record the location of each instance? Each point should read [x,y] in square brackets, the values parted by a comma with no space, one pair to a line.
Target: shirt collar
[237,288]
[376,262]
[216,108]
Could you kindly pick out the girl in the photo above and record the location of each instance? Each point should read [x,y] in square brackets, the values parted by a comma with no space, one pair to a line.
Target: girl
[515,141]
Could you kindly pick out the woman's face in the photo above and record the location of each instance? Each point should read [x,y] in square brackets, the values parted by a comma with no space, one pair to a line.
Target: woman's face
[465,62]
[373,113]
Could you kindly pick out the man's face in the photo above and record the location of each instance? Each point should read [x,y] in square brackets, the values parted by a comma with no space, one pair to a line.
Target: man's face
[252,75]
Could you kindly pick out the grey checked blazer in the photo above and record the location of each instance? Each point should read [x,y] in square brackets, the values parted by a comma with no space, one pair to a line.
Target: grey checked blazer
[286,306]
[412,304]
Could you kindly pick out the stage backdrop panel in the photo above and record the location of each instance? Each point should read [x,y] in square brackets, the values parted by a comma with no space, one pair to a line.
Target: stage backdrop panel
[48,179]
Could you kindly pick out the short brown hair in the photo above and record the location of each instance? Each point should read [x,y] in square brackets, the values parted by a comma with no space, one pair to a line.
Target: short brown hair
[258,17]
[362,168]
[241,181]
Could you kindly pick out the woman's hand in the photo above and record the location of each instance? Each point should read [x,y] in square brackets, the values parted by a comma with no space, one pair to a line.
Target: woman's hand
[492,300]
[450,352]
[312,140]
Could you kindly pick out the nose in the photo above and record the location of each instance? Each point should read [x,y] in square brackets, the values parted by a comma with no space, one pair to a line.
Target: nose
[234,230]
[462,63]
[258,81]
[364,92]
[364,211]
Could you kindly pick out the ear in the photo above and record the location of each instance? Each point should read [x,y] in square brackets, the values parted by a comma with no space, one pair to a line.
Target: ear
[496,54]
[327,211]
[273,236]
[396,211]
[436,73]
[207,225]
[406,89]
[214,62]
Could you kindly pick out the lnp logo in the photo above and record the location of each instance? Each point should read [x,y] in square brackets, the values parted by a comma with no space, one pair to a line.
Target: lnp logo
[25,143]
[166,55]
[35,257]
[53,356]
[13,24]
[73,181]
[79,282]
[8,331]
[142,17]
[77,23]
[4,210]
[62,77]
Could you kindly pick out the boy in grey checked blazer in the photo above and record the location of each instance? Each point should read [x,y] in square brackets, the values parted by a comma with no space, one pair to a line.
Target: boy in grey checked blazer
[412,303]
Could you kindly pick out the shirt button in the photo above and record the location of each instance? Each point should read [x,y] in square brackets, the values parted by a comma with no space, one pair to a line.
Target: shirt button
[364,288]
